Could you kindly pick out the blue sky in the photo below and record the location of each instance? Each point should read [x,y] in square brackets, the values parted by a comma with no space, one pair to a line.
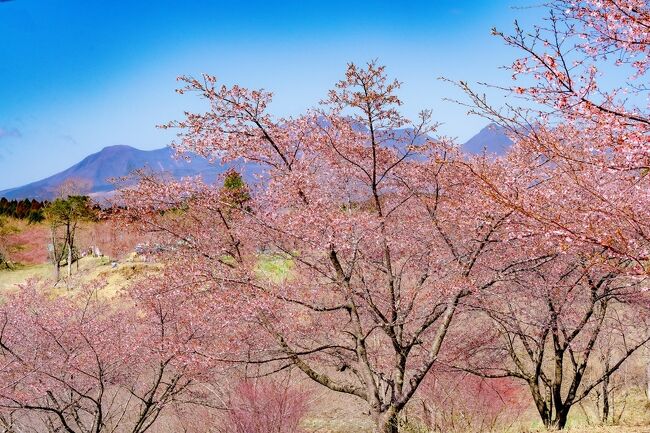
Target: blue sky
[76,76]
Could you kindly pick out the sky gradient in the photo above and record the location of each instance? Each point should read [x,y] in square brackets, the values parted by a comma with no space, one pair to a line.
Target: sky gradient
[76,76]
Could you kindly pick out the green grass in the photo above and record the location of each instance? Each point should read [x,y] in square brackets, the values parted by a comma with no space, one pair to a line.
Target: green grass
[10,278]
[275,267]
[336,425]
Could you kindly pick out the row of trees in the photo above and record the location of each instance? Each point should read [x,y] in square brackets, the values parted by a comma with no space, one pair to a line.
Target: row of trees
[32,210]
[408,259]
[80,364]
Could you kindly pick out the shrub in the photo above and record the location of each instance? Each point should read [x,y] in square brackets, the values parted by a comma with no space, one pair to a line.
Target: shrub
[264,407]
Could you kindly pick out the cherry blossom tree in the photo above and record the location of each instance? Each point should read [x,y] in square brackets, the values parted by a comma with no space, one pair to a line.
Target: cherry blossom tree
[582,154]
[28,243]
[106,237]
[548,320]
[582,122]
[83,365]
[383,234]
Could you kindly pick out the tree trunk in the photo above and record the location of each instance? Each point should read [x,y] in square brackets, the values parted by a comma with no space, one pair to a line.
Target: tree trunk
[648,389]
[69,260]
[605,413]
[55,256]
[387,422]
[68,240]
[428,416]
[558,420]
[562,418]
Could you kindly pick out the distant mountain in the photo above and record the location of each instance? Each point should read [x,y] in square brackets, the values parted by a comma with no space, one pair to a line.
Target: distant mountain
[492,139]
[114,162]
[117,161]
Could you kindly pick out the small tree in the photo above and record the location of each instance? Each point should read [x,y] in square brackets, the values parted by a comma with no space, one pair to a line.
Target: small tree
[264,407]
[456,401]
[64,216]
[235,192]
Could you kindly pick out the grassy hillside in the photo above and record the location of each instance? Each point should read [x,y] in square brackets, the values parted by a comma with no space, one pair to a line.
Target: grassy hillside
[86,270]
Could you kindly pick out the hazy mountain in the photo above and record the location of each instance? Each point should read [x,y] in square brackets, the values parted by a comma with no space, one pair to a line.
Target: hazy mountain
[113,162]
[492,139]
[118,161]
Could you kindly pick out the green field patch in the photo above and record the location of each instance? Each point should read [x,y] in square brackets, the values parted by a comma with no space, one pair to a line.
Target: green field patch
[275,267]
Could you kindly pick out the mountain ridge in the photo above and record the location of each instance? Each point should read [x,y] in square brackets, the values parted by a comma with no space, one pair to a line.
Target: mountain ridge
[120,160]
[114,162]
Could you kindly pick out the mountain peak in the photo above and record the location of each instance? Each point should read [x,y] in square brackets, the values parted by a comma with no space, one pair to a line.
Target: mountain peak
[117,148]
[491,139]
[114,162]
